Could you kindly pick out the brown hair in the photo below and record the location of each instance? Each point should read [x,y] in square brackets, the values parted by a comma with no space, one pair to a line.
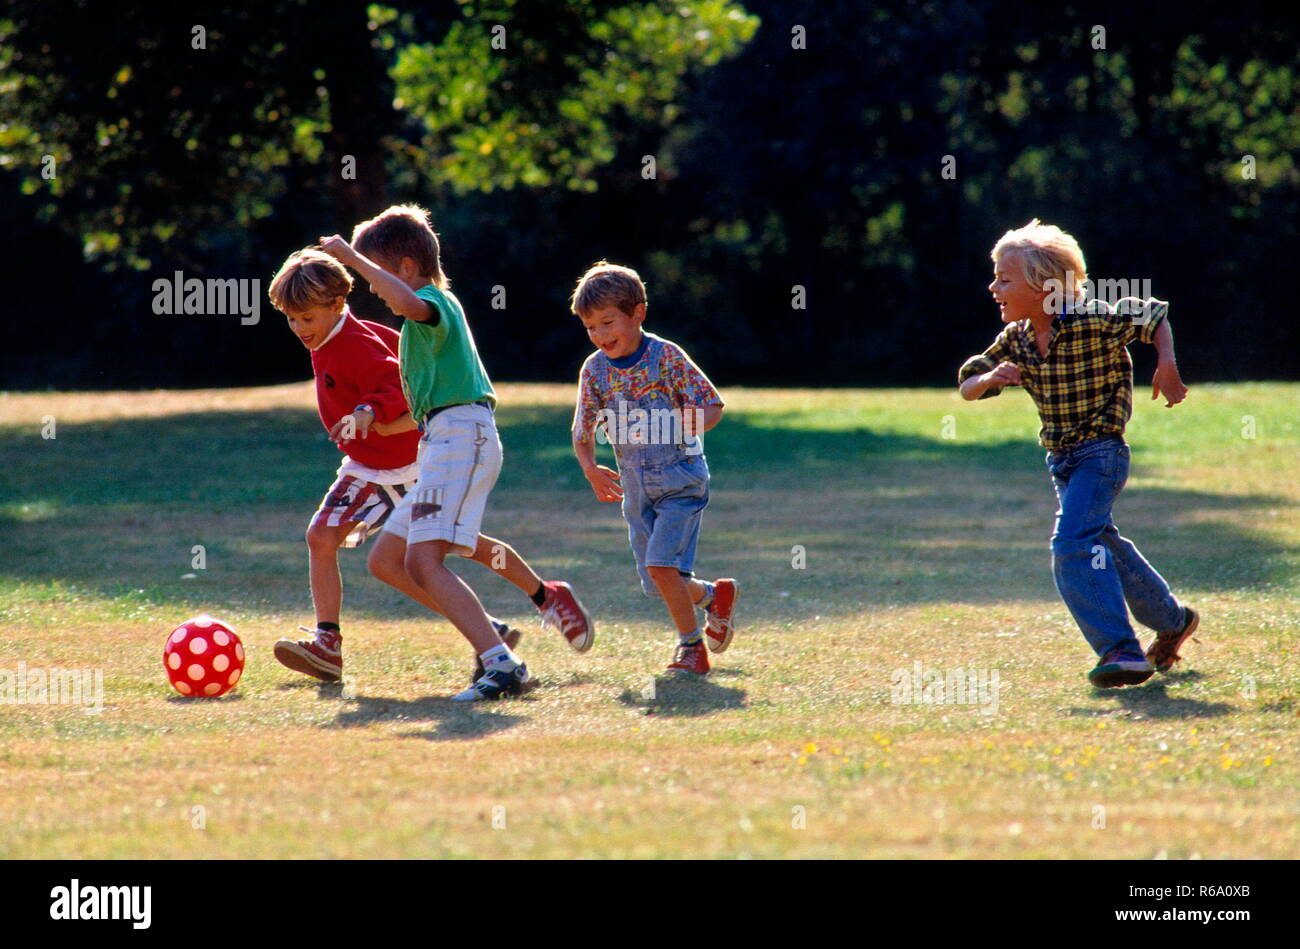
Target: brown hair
[310,277]
[606,284]
[402,231]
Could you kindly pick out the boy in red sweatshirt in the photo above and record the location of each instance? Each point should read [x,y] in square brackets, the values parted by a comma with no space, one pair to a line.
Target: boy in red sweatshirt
[362,406]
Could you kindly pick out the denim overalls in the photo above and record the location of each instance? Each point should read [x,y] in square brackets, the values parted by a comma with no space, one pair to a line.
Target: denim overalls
[665,481]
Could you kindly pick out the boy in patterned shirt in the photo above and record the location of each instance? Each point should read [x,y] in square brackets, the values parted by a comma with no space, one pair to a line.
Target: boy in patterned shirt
[1076,368]
[653,404]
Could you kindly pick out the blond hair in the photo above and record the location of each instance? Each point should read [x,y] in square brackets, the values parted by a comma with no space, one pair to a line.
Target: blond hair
[402,231]
[1046,253]
[310,277]
[606,284]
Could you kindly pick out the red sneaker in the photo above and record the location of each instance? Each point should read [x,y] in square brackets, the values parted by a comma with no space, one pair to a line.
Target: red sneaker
[692,659]
[719,627]
[321,657]
[564,612]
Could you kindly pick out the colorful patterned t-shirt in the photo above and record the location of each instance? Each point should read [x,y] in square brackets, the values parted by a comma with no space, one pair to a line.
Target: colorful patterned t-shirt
[680,381]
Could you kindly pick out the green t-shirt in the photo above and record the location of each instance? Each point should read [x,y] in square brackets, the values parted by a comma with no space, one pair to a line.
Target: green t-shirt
[440,364]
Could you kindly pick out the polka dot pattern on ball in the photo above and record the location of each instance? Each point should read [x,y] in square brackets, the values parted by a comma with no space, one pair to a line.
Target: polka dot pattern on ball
[203,657]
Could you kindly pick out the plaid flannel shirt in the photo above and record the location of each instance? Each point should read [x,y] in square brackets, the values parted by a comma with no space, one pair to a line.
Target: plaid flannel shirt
[1083,388]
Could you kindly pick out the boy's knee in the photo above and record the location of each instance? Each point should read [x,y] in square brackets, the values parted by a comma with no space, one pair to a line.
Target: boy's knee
[382,566]
[659,578]
[422,555]
[1072,545]
[320,537]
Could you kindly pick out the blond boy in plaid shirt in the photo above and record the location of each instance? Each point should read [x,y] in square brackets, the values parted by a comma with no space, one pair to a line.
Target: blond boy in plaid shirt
[1072,359]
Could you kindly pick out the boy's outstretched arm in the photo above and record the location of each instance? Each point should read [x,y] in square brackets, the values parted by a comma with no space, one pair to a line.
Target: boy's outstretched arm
[1166,378]
[400,298]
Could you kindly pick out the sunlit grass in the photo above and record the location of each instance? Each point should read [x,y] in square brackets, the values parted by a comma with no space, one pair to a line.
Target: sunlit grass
[921,523]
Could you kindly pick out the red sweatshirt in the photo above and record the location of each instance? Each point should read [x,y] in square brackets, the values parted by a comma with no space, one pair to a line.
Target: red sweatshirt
[359,364]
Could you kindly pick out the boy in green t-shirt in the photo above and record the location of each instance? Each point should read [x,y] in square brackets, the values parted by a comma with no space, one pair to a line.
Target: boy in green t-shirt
[452,400]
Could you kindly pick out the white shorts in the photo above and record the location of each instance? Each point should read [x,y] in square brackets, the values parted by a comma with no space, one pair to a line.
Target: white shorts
[459,461]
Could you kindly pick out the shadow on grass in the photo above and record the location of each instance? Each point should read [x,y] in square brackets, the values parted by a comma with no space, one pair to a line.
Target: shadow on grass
[456,721]
[1152,700]
[679,697]
[234,696]
[114,508]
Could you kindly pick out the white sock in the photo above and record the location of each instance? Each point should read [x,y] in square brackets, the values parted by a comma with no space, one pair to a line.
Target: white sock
[499,657]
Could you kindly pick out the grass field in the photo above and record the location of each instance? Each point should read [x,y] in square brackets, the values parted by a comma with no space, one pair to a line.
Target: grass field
[921,522]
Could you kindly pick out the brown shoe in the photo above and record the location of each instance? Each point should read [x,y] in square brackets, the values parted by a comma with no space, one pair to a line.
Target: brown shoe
[1164,651]
[321,656]
[508,636]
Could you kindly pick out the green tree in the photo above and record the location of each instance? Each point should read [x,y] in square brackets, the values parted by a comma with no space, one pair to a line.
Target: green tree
[172,131]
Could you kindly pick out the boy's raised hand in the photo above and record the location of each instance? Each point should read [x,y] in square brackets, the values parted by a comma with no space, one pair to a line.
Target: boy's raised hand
[604,481]
[1168,381]
[338,248]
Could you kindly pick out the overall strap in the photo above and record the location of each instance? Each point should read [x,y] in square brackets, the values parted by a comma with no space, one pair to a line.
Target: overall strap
[652,355]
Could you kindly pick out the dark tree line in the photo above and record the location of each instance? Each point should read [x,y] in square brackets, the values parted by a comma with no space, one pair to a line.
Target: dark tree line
[860,159]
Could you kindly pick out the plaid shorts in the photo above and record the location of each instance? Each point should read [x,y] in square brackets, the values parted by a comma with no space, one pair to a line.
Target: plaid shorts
[350,499]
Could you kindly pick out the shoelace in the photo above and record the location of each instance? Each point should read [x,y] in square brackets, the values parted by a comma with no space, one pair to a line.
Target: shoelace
[684,652]
[332,643]
[559,617]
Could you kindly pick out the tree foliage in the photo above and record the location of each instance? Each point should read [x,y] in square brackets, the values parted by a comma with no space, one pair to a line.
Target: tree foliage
[867,154]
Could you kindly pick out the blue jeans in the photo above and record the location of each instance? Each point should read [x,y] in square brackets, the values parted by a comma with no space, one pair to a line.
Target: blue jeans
[1097,570]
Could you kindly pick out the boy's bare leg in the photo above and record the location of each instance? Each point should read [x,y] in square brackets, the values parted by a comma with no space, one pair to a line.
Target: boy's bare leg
[677,593]
[323,543]
[425,563]
[501,558]
[388,563]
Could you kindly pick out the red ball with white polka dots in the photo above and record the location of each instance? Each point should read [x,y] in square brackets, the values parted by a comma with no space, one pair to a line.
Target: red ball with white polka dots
[203,657]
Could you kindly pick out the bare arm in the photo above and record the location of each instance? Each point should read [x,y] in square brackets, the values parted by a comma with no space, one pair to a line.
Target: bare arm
[403,423]
[1166,378]
[603,481]
[706,416]
[1006,374]
[400,298]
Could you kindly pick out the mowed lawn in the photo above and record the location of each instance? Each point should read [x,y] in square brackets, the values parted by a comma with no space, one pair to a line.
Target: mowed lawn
[871,530]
